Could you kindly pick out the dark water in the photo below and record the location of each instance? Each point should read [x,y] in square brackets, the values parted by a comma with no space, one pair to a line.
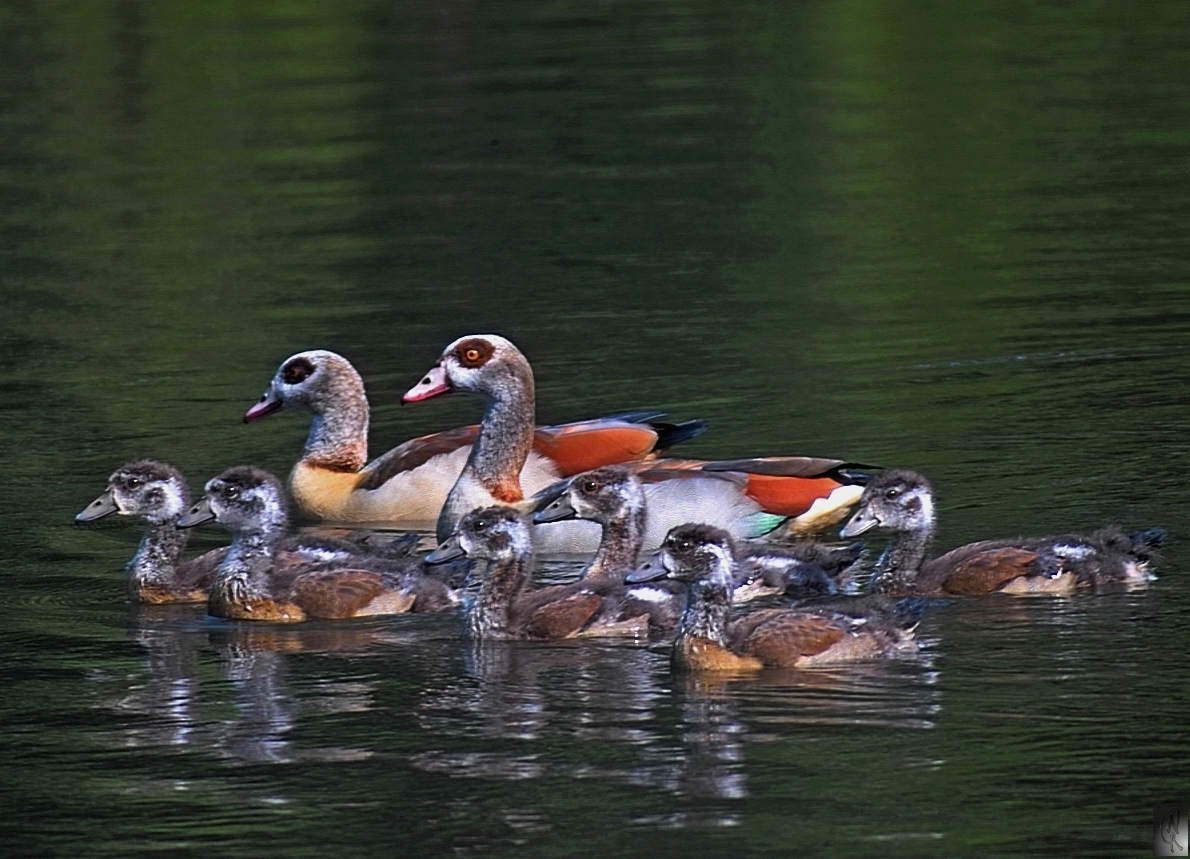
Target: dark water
[944,236]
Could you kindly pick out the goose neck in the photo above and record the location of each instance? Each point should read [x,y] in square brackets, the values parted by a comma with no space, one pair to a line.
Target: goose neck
[338,438]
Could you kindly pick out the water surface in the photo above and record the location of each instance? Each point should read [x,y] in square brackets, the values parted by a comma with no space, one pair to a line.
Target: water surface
[950,239]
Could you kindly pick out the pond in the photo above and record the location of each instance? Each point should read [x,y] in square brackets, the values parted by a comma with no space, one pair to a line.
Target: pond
[949,237]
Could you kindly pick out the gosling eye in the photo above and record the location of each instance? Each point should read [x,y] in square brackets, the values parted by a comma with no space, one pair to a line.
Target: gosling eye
[480,525]
[684,545]
[232,492]
[589,487]
[133,483]
[891,494]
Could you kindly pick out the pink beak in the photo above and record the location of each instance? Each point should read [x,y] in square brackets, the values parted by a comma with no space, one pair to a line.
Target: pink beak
[434,383]
[268,404]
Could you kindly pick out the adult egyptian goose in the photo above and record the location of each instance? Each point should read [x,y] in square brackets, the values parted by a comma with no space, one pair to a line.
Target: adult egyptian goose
[334,481]
[702,557]
[493,369]
[500,542]
[255,583]
[902,503]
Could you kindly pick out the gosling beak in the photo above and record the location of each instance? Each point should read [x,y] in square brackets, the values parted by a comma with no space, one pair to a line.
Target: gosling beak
[862,522]
[448,551]
[557,510]
[269,402]
[103,506]
[650,571]
[199,514]
[434,383]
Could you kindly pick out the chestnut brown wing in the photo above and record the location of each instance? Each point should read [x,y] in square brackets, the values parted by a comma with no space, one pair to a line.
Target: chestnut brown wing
[198,573]
[338,593]
[415,452]
[781,637]
[982,572]
[562,617]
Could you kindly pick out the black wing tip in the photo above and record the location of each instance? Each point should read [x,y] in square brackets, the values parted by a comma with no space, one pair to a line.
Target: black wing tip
[670,434]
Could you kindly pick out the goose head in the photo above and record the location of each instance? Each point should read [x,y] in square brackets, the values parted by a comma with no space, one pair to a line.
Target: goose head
[242,499]
[690,553]
[486,365]
[494,533]
[603,495]
[144,488]
[312,381]
[899,501]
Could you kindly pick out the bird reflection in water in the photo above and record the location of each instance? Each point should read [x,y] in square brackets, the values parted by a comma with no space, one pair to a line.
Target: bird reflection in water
[180,701]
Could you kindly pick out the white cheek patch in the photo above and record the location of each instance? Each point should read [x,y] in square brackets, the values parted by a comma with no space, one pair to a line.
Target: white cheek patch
[634,498]
[272,508]
[927,506]
[720,553]
[174,502]
[522,541]
[667,562]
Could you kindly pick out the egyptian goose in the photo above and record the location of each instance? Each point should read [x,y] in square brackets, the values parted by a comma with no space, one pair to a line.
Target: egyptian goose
[815,492]
[902,503]
[500,542]
[702,557]
[255,583]
[334,481]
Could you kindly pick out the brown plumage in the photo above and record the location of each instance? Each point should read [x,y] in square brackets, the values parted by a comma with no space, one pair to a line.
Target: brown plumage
[702,557]
[256,582]
[902,503]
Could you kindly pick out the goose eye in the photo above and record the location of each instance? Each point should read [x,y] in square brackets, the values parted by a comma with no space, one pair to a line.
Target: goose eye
[890,494]
[133,483]
[232,492]
[589,487]
[481,525]
[684,545]
[473,353]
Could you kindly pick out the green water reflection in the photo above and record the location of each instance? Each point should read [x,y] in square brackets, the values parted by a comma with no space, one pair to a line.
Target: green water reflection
[946,236]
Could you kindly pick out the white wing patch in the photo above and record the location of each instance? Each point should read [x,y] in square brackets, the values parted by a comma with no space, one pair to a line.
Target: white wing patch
[708,501]
[1073,552]
[418,495]
[653,595]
